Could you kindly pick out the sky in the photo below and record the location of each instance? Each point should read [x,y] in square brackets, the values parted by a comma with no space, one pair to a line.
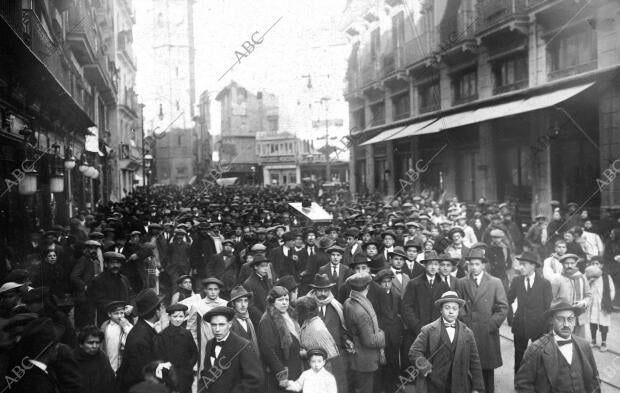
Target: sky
[288,51]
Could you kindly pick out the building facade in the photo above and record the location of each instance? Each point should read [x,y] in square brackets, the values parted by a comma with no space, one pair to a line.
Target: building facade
[244,115]
[503,99]
[57,85]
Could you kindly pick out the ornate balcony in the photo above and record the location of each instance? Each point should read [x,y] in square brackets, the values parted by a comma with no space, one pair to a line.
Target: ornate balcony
[493,14]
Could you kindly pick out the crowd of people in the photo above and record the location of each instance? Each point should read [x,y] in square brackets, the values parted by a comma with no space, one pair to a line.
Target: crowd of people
[231,290]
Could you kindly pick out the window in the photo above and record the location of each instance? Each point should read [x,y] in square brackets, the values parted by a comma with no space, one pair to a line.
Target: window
[180,140]
[465,86]
[359,119]
[398,30]
[574,51]
[375,44]
[510,74]
[378,113]
[400,104]
[429,96]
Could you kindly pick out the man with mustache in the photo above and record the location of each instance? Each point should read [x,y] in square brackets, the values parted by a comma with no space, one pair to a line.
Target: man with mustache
[110,285]
[559,361]
[573,286]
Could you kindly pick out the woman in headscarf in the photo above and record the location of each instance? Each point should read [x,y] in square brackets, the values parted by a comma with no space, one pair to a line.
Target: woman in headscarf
[279,341]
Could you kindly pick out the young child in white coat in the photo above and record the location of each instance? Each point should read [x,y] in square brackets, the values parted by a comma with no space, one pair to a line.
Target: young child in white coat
[316,379]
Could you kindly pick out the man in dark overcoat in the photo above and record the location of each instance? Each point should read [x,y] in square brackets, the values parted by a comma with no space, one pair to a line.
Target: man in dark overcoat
[110,285]
[484,312]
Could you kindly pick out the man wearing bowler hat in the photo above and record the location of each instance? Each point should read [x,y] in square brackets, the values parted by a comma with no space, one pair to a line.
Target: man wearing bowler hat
[412,267]
[533,294]
[139,347]
[231,363]
[559,361]
[484,312]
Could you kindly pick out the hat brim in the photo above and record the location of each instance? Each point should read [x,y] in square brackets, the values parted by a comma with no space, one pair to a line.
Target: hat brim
[160,298]
[533,262]
[249,295]
[322,286]
[425,261]
[392,253]
[439,302]
[549,313]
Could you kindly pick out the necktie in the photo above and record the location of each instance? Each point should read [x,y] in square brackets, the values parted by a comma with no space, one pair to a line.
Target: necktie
[430,281]
[311,251]
[450,325]
[335,272]
[564,342]
[323,312]
[527,284]
[448,280]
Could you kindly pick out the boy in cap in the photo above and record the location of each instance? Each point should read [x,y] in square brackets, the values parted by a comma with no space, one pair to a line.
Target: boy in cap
[115,331]
[242,325]
[533,294]
[573,286]
[176,345]
[316,379]
[445,353]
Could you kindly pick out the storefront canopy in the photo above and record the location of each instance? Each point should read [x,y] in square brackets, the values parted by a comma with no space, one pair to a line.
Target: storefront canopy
[467,117]
[511,108]
[315,212]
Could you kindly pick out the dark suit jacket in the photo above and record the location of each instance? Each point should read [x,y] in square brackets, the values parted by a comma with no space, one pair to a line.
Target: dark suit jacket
[348,257]
[282,264]
[466,370]
[343,273]
[419,302]
[310,264]
[539,369]
[484,312]
[139,351]
[239,366]
[498,262]
[418,269]
[529,320]
[260,288]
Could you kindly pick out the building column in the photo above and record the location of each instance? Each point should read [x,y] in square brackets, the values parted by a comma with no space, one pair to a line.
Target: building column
[370,168]
[609,141]
[390,167]
[541,168]
[266,177]
[298,174]
[485,172]
[448,156]
[351,174]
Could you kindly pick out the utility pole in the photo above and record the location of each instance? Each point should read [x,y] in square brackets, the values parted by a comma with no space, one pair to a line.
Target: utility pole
[192,56]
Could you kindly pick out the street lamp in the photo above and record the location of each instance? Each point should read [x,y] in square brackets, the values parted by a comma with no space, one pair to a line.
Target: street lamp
[57,179]
[28,184]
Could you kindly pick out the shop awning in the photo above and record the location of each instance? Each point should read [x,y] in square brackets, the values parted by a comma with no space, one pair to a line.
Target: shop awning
[384,135]
[411,129]
[511,108]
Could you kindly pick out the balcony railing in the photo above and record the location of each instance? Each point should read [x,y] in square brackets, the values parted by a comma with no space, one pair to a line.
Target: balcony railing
[492,12]
[389,63]
[352,83]
[80,25]
[418,48]
[371,71]
[456,29]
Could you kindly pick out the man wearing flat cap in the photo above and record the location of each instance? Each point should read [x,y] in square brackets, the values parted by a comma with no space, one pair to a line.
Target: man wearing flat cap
[573,286]
[559,361]
[533,294]
[84,272]
[110,285]
[499,256]
[240,300]
[335,270]
[445,353]
[368,339]
[230,362]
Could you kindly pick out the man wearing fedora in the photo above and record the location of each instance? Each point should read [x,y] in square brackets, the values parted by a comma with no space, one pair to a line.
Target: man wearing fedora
[573,286]
[419,299]
[449,270]
[412,268]
[139,347]
[335,270]
[559,361]
[484,312]
[445,352]
[332,314]
[400,280]
[230,362]
[533,294]
[311,258]
[284,260]
[240,300]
